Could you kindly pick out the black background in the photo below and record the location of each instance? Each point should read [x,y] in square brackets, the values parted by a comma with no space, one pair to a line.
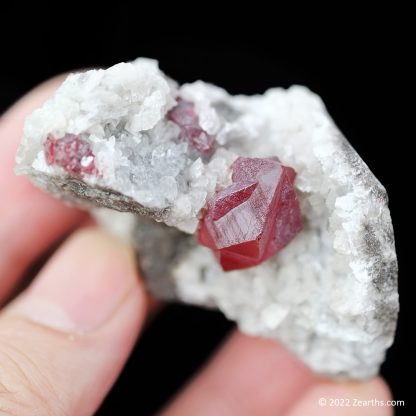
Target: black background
[359,81]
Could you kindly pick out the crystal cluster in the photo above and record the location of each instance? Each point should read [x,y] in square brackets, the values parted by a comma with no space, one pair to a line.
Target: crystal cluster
[252,219]
[71,153]
[184,115]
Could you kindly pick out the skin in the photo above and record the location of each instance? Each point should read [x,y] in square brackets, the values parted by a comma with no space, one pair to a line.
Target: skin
[82,314]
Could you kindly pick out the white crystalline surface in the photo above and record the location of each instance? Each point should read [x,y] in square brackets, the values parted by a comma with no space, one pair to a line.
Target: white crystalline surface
[120,112]
[330,295]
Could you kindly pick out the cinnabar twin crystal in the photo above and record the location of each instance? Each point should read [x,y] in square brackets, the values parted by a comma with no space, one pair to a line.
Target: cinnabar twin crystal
[71,153]
[184,115]
[252,219]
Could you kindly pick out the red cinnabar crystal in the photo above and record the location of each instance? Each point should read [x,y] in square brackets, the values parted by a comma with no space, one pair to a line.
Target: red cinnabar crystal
[183,114]
[71,153]
[252,219]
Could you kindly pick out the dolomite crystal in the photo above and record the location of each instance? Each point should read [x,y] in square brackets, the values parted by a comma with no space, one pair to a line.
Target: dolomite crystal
[330,295]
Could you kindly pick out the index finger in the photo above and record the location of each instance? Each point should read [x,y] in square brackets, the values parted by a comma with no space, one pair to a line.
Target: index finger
[31,220]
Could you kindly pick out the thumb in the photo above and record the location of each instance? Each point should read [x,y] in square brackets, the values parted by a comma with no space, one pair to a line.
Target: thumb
[64,341]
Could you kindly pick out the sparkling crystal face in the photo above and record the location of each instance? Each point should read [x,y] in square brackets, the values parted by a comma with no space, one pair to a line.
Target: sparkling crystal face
[184,115]
[71,153]
[255,217]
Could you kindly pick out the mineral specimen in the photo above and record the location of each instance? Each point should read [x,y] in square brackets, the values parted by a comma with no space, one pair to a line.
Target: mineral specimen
[255,217]
[165,151]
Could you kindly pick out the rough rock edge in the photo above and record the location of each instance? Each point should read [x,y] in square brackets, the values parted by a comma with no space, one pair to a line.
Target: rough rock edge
[75,192]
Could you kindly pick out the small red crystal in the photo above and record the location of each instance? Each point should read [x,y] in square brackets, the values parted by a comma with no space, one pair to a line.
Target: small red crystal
[184,115]
[255,217]
[71,153]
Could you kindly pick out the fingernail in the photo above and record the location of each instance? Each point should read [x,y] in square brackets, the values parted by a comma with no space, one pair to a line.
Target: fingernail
[82,285]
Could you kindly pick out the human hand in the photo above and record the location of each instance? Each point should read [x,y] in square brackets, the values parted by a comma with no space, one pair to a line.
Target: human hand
[65,339]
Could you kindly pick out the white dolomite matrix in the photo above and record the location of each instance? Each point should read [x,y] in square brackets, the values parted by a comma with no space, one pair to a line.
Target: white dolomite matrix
[330,296]
[120,114]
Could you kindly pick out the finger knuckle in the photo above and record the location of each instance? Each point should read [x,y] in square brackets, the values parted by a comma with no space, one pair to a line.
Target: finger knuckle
[24,387]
